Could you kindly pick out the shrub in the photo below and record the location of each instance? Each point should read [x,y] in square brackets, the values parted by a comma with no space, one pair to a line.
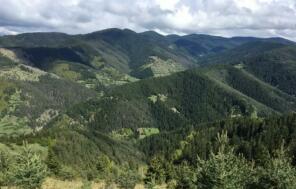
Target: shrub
[127,178]
[66,173]
[4,165]
[104,166]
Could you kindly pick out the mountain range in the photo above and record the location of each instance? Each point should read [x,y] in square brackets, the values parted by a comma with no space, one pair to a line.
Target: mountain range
[118,93]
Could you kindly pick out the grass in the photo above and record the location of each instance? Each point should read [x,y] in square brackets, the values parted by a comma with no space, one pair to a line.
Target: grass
[14,126]
[53,183]
[122,134]
[157,67]
[146,132]
[13,149]
[21,73]
[9,54]
[110,76]
[128,133]
[88,76]
[63,70]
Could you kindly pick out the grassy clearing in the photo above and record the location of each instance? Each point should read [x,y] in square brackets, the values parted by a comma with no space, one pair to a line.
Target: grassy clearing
[88,76]
[146,132]
[110,76]
[52,183]
[128,133]
[63,70]
[162,67]
[9,54]
[13,149]
[157,67]
[21,73]
[14,126]
[123,134]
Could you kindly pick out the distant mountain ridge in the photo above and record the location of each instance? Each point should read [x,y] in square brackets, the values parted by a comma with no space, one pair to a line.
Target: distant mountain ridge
[124,51]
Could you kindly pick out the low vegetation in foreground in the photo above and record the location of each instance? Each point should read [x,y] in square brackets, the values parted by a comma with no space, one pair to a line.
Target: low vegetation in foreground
[235,153]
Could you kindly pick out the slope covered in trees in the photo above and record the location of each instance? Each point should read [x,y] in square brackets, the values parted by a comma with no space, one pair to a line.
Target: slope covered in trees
[234,153]
[192,111]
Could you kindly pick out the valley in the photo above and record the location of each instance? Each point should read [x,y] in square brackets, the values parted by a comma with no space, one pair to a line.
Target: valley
[125,109]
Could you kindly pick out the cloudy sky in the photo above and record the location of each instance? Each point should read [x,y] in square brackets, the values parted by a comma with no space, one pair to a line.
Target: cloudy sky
[263,18]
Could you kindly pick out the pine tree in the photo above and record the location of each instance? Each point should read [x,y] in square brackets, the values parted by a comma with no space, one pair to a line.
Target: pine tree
[157,171]
[186,177]
[278,173]
[223,170]
[28,171]
[52,162]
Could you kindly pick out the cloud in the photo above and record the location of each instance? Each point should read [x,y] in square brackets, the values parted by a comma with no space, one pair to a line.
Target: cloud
[263,18]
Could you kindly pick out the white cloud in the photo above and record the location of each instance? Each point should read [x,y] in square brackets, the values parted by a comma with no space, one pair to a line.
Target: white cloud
[262,18]
[167,4]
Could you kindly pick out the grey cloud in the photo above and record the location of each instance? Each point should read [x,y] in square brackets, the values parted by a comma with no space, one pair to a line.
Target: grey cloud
[262,18]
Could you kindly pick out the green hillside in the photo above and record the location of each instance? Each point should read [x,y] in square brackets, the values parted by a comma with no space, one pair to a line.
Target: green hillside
[116,106]
[183,99]
[30,97]
[167,104]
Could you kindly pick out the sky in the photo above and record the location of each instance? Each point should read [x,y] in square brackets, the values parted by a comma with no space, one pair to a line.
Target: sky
[260,18]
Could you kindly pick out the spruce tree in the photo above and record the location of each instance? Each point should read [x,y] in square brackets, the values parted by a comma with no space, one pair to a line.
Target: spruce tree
[278,173]
[223,170]
[28,171]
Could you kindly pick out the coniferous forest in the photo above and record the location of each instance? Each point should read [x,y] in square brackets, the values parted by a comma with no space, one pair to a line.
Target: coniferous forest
[120,109]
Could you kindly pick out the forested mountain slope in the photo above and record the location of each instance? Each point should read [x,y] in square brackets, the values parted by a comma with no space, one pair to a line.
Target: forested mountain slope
[117,54]
[119,105]
[30,97]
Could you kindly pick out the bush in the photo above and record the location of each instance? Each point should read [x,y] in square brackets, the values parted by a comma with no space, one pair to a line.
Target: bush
[127,178]
[104,166]
[66,173]
[4,164]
